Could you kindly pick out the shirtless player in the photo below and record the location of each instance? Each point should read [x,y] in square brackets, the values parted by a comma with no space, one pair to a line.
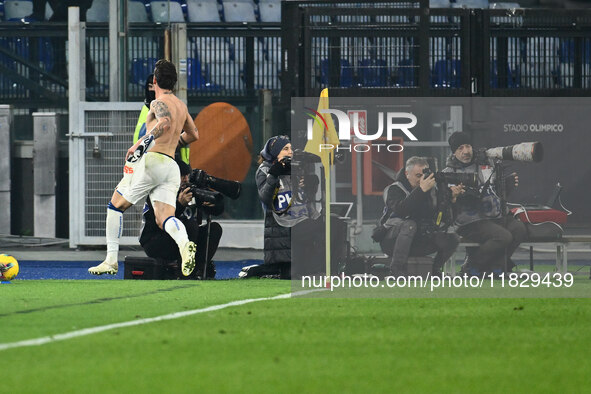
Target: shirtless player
[154,173]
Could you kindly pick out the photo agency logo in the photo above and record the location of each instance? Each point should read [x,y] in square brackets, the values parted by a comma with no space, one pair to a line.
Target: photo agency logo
[353,125]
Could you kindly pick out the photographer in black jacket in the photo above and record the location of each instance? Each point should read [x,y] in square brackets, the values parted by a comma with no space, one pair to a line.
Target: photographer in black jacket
[159,245]
[288,202]
[411,224]
[478,214]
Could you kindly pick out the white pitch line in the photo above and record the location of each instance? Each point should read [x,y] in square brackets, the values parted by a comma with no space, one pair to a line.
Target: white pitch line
[170,316]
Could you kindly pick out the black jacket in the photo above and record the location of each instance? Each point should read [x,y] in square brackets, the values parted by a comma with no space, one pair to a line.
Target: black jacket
[190,216]
[404,202]
[481,203]
[277,239]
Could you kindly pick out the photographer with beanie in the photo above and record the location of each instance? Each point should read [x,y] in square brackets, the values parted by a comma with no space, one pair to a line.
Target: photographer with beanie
[478,212]
[282,212]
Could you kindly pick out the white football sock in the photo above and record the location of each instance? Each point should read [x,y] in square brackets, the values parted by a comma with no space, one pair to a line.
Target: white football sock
[114,229]
[176,229]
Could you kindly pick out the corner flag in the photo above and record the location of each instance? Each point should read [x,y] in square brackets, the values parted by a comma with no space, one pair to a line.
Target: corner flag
[323,142]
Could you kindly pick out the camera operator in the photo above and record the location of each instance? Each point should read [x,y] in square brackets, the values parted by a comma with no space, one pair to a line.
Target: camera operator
[159,245]
[286,214]
[408,226]
[478,212]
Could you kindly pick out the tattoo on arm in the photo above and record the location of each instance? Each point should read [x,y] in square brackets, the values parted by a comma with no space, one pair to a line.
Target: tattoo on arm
[162,113]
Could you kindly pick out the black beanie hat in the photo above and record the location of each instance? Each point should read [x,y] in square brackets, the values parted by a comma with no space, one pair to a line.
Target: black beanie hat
[273,147]
[457,139]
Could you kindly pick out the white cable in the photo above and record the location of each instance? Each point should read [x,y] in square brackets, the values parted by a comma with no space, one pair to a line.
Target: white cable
[568,213]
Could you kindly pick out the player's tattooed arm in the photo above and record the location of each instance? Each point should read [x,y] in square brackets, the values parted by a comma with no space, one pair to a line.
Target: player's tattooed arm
[162,114]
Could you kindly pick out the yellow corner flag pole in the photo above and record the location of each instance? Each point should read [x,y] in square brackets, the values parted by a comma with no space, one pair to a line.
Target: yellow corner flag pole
[323,142]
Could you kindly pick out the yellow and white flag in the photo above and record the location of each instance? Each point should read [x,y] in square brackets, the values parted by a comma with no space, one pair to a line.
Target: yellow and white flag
[323,143]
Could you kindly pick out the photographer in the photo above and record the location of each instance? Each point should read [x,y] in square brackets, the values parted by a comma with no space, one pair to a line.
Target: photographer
[159,245]
[284,211]
[410,225]
[478,212]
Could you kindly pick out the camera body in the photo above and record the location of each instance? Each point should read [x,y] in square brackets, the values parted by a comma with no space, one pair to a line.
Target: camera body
[451,178]
[209,191]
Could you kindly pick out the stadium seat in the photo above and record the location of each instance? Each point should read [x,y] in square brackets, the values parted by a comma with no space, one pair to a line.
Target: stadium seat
[238,11]
[17,9]
[494,76]
[446,74]
[373,72]
[141,68]
[406,74]
[136,11]
[161,14]
[483,4]
[48,11]
[203,11]
[270,10]
[197,77]
[566,58]
[346,75]
[98,12]
[503,6]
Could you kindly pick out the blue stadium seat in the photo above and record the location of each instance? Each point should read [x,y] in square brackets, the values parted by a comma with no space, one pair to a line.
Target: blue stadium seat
[406,74]
[239,11]
[270,10]
[198,78]
[203,11]
[494,76]
[373,72]
[136,11]
[446,74]
[98,12]
[161,14]
[141,68]
[17,9]
[346,77]
[566,58]
[483,4]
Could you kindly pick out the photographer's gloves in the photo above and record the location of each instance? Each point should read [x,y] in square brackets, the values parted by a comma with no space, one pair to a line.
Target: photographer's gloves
[280,168]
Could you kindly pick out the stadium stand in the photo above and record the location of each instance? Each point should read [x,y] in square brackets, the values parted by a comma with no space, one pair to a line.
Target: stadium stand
[203,11]
[483,4]
[239,11]
[162,14]
[141,68]
[98,12]
[17,9]
[345,77]
[566,58]
[136,12]
[446,74]
[270,10]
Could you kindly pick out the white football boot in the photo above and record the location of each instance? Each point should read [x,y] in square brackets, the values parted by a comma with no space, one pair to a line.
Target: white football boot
[188,257]
[104,268]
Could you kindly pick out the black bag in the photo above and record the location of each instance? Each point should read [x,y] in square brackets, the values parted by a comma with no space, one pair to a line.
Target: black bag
[543,232]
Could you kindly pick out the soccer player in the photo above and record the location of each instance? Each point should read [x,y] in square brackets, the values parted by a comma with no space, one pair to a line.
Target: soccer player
[154,173]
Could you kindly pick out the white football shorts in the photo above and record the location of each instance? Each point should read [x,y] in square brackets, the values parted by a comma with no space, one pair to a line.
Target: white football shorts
[155,174]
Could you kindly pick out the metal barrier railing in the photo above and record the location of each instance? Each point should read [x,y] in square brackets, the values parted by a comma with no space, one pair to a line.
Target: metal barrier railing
[385,48]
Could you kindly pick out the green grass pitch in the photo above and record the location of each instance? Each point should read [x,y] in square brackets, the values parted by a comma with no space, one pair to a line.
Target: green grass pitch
[288,345]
